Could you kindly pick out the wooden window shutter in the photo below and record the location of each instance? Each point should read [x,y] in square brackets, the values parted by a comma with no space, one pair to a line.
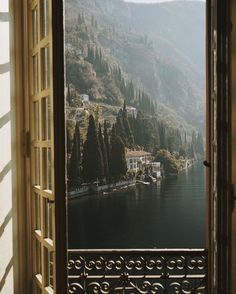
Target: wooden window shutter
[47,145]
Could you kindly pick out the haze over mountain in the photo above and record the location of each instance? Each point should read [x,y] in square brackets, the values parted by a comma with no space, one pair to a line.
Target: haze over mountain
[159,46]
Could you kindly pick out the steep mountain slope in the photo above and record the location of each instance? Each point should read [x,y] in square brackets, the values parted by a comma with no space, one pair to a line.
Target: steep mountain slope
[159,46]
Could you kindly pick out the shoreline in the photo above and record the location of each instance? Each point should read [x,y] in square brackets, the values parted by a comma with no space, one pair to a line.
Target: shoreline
[96,190]
[91,190]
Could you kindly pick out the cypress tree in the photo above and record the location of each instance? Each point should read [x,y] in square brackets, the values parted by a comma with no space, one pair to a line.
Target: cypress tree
[128,132]
[193,144]
[170,142]
[119,74]
[92,156]
[68,141]
[74,166]
[199,142]
[104,152]
[106,141]
[118,165]
[139,129]
[68,94]
[120,128]
[185,139]
[92,21]
[162,135]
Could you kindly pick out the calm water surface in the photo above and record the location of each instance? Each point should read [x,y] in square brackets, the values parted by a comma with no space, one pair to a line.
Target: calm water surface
[168,215]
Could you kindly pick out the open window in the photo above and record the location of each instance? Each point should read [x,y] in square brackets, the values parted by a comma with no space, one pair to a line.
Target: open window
[215,277]
[45,174]
[44,145]
[126,202]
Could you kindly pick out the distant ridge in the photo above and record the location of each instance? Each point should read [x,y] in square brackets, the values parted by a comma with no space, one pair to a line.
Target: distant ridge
[159,46]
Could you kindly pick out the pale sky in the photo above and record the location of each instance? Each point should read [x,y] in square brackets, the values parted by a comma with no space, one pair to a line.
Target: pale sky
[156,1]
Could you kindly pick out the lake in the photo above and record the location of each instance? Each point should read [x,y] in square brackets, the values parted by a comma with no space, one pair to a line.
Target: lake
[170,214]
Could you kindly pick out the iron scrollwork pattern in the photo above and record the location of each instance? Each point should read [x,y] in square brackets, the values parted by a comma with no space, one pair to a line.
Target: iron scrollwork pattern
[137,271]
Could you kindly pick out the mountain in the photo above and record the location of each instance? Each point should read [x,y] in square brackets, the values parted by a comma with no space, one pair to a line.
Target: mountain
[159,47]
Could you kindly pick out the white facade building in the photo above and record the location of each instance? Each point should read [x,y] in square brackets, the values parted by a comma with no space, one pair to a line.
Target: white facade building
[85,100]
[136,158]
[132,110]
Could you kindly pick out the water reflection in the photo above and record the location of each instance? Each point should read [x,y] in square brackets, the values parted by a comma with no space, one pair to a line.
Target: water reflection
[168,215]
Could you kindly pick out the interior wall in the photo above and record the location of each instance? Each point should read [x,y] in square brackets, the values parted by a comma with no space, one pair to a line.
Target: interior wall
[233,289]
[6,222]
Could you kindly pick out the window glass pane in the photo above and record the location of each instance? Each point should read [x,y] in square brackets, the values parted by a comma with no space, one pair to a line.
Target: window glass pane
[47,176]
[49,268]
[35,26]
[45,68]
[46,119]
[36,120]
[37,212]
[37,166]
[38,259]
[48,212]
[44,18]
[35,75]
[40,117]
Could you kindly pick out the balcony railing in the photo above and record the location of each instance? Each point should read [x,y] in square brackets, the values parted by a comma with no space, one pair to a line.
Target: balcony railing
[138,271]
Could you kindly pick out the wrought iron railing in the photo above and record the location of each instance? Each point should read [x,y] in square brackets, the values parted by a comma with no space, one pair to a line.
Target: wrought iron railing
[138,271]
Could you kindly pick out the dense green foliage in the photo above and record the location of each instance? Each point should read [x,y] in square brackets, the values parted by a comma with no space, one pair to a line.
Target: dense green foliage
[118,166]
[103,156]
[103,153]
[74,171]
[169,162]
[92,163]
[103,147]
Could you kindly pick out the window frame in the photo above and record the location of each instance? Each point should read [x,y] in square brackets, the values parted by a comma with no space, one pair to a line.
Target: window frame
[21,236]
[20,92]
[218,145]
[217,18]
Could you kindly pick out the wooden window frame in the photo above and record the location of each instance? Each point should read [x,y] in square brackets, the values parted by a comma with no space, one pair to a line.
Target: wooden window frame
[218,156]
[20,91]
[218,17]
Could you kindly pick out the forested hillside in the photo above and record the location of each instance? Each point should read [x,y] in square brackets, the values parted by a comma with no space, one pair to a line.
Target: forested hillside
[151,56]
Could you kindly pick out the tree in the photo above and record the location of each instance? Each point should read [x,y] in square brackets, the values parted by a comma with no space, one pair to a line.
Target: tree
[92,156]
[74,167]
[162,135]
[120,128]
[80,19]
[118,165]
[169,162]
[139,129]
[193,145]
[182,152]
[129,134]
[104,152]
[106,141]
[69,142]
[69,94]
[170,143]
[199,144]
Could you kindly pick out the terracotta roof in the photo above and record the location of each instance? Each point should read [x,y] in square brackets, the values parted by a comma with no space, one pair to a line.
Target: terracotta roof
[137,153]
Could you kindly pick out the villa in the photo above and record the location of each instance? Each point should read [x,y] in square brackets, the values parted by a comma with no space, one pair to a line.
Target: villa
[136,158]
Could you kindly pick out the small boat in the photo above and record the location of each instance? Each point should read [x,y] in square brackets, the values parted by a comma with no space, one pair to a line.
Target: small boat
[143,183]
